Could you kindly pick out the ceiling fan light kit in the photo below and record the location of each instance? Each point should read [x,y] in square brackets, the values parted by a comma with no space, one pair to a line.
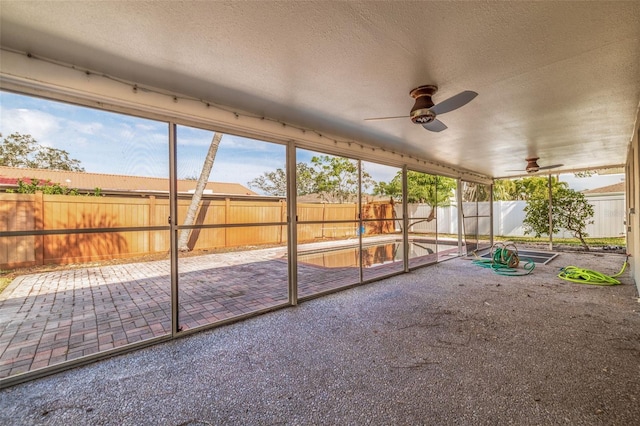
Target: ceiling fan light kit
[421,112]
[424,111]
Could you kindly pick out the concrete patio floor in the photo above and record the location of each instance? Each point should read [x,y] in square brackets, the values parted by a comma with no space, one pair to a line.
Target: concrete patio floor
[447,344]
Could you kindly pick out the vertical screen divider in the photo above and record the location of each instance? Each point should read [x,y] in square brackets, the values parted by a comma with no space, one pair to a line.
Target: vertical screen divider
[173,220]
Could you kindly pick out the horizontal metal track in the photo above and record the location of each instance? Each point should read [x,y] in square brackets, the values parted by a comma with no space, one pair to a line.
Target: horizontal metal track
[38,232]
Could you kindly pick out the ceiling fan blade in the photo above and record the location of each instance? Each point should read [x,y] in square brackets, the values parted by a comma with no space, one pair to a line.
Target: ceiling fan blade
[435,126]
[385,118]
[454,102]
[550,167]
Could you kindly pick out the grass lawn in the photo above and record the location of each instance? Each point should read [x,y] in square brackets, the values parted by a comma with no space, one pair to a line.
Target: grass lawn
[4,282]
[591,242]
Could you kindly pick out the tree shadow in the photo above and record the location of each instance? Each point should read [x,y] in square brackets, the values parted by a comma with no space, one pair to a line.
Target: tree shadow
[195,233]
[384,213]
[90,245]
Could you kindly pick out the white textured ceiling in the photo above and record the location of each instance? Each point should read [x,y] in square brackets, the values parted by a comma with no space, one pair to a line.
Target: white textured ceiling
[557,80]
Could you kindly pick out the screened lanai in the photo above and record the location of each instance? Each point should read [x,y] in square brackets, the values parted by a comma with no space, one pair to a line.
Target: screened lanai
[101,266]
[317,178]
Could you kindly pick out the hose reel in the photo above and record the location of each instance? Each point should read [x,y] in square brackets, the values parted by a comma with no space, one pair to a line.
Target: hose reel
[504,260]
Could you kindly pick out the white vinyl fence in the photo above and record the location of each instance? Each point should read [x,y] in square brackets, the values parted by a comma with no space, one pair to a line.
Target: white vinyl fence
[608,218]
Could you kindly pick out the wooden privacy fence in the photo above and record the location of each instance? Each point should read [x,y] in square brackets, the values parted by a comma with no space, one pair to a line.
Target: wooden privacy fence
[105,220]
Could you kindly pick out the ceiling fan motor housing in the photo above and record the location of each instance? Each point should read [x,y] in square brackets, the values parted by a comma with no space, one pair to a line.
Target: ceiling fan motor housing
[421,112]
[532,165]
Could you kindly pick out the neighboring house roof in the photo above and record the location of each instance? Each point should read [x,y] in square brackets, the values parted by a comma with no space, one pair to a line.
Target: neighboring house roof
[107,182]
[615,188]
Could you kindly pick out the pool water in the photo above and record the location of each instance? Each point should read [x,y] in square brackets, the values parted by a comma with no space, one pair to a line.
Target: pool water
[372,255]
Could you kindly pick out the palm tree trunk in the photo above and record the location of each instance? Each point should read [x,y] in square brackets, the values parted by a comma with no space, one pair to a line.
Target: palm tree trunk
[197,195]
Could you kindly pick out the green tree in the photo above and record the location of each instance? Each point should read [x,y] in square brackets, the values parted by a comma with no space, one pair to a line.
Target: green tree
[335,179]
[585,173]
[522,189]
[476,192]
[435,191]
[275,183]
[570,211]
[19,150]
[504,190]
[536,187]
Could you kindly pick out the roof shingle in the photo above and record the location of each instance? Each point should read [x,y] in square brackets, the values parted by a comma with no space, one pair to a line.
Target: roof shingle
[616,187]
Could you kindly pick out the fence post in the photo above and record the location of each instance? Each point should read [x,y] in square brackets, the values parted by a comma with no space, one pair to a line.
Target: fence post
[227,210]
[323,220]
[152,214]
[283,218]
[38,219]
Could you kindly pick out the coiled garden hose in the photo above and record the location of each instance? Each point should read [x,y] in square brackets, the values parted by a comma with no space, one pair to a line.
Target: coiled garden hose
[504,261]
[587,276]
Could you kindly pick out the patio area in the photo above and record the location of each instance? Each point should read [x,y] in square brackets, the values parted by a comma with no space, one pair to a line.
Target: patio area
[52,317]
[448,344]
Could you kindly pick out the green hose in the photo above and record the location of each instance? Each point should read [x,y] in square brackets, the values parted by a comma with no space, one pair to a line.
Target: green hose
[504,260]
[587,276]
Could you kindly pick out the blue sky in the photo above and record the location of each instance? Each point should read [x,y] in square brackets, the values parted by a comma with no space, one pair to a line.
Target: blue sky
[580,184]
[107,142]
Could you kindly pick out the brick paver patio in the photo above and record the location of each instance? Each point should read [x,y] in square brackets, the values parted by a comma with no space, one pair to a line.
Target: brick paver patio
[52,317]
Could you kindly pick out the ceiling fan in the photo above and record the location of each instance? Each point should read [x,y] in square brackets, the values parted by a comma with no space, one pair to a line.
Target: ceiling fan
[533,167]
[424,111]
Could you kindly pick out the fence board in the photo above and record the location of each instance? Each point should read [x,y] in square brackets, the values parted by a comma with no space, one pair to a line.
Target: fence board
[608,218]
[27,212]
[17,213]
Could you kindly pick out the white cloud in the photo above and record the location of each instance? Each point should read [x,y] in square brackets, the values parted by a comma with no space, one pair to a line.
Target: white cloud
[91,128]
[190,142]
[38,124]
[240,143]
[144,127]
